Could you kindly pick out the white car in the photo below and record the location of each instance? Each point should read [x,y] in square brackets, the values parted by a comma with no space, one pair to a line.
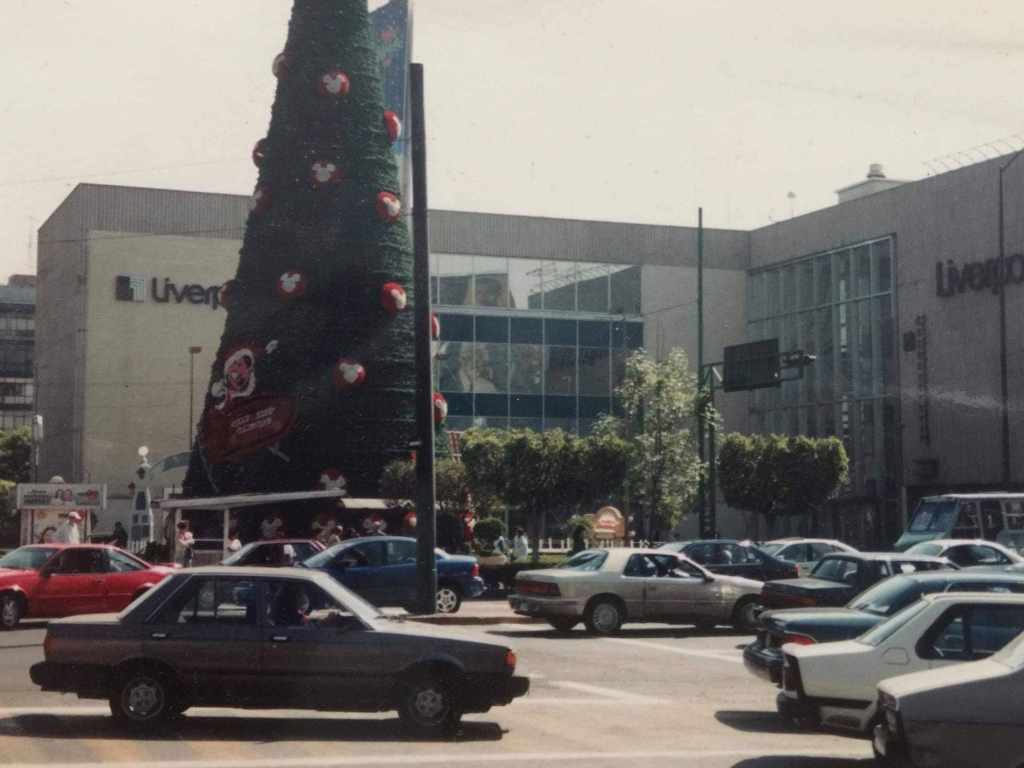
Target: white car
[968,552]
[834,684]
[966,716]
[803,553]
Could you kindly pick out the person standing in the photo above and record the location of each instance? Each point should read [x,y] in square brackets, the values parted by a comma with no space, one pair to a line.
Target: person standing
[271,526]
[120,537]
[68,532]
[183,545]
[234,543]
[520,545]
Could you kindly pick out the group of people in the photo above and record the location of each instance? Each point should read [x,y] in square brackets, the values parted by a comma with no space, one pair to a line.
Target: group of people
[519,549]
[67,532]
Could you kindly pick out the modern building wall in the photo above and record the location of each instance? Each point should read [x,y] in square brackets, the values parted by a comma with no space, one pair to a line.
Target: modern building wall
[17,348]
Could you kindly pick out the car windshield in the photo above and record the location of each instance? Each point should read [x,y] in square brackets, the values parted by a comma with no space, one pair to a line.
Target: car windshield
[887,597]
[591,560]
[27,558]
[320,559]
[887,629]
[926,548]
[156,594]
[771,549]
[934,516]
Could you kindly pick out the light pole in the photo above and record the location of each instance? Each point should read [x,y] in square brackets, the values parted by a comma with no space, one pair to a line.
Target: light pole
[192,352]
[1002,273]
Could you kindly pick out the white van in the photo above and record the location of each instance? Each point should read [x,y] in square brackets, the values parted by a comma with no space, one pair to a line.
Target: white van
[997,517]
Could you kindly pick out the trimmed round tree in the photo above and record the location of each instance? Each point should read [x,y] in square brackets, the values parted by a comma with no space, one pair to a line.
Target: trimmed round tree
[313,384]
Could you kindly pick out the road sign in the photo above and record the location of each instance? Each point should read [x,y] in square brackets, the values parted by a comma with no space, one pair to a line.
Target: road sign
[751,366]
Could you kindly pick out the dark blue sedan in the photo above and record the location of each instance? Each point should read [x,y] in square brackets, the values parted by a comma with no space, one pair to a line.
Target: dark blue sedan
[382,569]
[734,558]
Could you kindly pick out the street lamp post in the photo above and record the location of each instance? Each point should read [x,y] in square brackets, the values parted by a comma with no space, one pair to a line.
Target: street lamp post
[192,352]
[1002,273]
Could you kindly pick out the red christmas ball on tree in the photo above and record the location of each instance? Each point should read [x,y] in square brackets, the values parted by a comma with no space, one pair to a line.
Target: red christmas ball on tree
[392,125]
[334,82]
[389,207]
[325,172]
[259,152]
[435,326]
[393,298]
[291,285]
[440,408]
[348,374]
[280,65]
[260,200]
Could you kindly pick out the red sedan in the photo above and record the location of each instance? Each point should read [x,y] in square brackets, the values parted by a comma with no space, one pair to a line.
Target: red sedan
[53,580]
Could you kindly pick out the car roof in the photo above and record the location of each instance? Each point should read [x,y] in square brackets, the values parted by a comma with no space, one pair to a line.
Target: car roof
[798,540]
[886,556]
[964,576]
[283,541]
[65,545]
[969,496]
[251,570]
[714,541]
[618,554]
[958,542]
[974,597]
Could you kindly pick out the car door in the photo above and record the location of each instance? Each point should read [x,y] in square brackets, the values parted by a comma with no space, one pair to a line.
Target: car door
[357,566]
[71,584]
[741,561]
[633,585]
[675,593]
[397,577]
[123,576]
[316,650]
[209,633]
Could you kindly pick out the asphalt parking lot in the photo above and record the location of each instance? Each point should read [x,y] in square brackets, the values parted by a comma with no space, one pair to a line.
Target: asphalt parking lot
[655,695]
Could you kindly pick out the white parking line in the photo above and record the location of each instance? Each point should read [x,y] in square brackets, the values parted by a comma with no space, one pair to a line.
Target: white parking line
[629,758]
[613,694]
[717,655]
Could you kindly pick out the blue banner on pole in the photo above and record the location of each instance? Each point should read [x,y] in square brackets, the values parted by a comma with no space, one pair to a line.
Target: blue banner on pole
[392,29]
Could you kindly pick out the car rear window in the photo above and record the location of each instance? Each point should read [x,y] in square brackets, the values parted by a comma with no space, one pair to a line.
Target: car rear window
[585,561]
[889,596]
[27,558]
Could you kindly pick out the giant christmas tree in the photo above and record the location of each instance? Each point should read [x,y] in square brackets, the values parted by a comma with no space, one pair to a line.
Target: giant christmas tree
[313,383]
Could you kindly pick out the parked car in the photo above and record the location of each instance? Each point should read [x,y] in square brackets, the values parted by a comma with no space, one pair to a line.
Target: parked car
[382,569]
[833,684]
[763,657]
[968,552]
[272,552]
[997,517]
[837,578]
[605,588]
[804,553]
[964,716]
[271,638]
[50,580]
[734,558]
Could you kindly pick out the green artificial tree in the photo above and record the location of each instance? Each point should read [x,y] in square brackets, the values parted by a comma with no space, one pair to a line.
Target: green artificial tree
[314,380]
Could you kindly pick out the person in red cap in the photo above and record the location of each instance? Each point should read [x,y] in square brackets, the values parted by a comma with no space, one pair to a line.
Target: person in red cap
[69,533]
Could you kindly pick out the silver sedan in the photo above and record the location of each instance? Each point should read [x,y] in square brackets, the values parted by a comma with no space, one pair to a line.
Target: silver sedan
[606,588]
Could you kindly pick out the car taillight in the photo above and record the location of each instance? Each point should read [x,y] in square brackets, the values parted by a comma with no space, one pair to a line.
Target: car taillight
[510,660]
[792,637]
[475,572]
[545,588]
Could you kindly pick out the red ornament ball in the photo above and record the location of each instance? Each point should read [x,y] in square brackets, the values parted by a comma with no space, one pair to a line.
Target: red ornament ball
[280,65]
[325,172]
[389,207]
[435,326]
[291,284]
[440,408]
[348,374]
[334,82]
[260,200]
[259,152]
[392,125]
[393,298]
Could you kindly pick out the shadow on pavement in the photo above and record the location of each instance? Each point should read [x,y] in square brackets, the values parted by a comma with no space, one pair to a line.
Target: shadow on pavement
[242,729]
[629,631]
[754,721]
[795,761]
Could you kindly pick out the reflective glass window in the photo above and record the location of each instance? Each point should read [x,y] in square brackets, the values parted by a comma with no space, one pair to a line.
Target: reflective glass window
[491,405]
[595,407]
[560,370]
[527,330]
[526,406]
[455,280]
[491,281]
[824,278]
[595,371]
[455,366]
[772,292]
[788,288]
[595,333]
[526,367]
[492,329]
[805,287]
[456,327]
[491,368]
[755,296]
[459,404]
[559,283]
[625,291]
[560,332]
[592,287]
[524,282]
[560,407]
[842,270]
[862,270]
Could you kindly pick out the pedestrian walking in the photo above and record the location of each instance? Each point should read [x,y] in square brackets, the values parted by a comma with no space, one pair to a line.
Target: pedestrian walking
[184,545]
[520,545]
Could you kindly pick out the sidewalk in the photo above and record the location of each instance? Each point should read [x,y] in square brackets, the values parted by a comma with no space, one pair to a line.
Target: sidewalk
[478,612]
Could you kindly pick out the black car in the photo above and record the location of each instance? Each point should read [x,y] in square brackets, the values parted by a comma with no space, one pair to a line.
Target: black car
[806,626]
[838,577]
[730,557]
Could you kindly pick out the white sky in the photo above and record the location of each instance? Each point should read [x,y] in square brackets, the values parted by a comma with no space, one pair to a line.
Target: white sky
[627,110]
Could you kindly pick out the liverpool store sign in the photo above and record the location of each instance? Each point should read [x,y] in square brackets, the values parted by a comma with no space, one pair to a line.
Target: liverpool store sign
[133,288]
[951,279]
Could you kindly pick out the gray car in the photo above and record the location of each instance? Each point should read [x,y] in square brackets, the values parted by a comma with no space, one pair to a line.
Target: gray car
[271,638]
[606,588]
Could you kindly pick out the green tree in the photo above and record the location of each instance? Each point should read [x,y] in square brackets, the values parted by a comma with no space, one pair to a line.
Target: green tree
[599,464]
[451,490]
[487,531]
[16,455]
[315,368]
[659,425]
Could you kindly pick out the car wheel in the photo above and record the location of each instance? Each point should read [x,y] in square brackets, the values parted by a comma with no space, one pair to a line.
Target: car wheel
[428,706]
[563,625]
[603,617]
[142,700]
[10,611]
[449,599]
[744,614]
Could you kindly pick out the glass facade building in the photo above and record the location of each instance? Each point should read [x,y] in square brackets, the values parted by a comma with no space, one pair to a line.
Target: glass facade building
[532,343]
[839,307]
[17,347]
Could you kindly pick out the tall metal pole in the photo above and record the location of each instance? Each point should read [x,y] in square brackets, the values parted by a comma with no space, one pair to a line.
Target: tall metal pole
[702,485]
[1002,273]
[712,515]
[426,522]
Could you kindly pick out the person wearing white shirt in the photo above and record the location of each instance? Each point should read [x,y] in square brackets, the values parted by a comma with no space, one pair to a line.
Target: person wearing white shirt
[520,545]
[271,526]
[69,533]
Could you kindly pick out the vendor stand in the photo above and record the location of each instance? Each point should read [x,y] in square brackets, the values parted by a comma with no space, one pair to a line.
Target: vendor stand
[44,506]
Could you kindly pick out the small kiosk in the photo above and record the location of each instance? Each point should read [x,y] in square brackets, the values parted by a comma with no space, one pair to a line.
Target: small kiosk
[44,508]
